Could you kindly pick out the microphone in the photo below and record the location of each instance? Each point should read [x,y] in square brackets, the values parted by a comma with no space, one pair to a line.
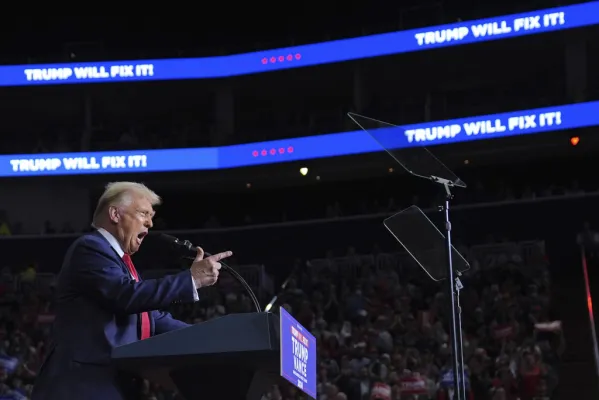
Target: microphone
[282,288]
[186,249]
[182,247]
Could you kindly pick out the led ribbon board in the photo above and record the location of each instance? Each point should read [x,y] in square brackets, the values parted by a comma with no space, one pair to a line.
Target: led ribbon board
[496,28]
[305,148]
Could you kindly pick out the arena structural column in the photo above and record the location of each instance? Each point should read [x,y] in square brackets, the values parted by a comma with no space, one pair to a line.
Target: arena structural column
[576,67]
[360,89]
[224,114]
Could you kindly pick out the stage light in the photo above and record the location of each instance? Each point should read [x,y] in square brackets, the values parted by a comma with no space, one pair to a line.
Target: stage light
[304,171]
[574,140]
[248,185]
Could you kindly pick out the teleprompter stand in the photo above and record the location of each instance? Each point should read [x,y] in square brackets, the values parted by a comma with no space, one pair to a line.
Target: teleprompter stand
[427,245]
[454,287]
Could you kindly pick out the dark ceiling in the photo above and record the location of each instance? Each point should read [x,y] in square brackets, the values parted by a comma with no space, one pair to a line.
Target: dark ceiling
[221,28]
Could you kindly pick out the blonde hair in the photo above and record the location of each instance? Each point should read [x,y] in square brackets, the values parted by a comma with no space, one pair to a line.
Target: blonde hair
[119,193]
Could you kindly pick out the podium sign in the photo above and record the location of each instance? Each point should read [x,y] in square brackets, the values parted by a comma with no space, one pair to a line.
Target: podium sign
[298,354]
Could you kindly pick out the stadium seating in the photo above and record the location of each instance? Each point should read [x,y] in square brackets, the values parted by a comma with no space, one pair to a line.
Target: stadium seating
[378,318]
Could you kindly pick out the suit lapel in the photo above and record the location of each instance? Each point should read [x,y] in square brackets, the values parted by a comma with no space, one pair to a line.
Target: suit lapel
[110,250]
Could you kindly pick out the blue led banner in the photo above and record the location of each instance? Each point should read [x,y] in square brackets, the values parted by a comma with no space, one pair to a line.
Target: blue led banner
[305,148]
[308,55]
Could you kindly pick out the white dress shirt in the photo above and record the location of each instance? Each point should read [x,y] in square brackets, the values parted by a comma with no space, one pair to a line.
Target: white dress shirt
[119,250]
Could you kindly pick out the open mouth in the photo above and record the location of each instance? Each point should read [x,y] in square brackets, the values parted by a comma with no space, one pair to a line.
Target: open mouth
[141,236]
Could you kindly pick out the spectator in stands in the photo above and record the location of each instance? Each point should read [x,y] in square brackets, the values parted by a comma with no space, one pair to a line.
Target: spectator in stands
[4,225]
[588,237]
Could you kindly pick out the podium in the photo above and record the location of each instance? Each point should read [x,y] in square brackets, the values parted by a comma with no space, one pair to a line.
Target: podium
[233,357]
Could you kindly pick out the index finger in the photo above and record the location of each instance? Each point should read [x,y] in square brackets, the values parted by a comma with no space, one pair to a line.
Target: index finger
[221,256]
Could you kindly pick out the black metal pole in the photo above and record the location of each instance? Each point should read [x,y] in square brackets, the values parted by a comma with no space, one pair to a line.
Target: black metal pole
[455,331]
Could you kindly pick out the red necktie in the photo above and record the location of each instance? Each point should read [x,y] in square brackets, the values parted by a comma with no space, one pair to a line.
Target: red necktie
[145,317]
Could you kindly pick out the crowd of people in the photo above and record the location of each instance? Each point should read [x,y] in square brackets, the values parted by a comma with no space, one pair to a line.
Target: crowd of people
[383,333]
[381,325]
[381,328]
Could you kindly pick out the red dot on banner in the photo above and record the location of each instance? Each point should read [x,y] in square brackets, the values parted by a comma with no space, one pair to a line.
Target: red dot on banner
[273,152]
[265,60]
[281,58]
[281,150]
[289,57]
[273,60]
[298,56]
[255,153]
[290,149]
[263,152]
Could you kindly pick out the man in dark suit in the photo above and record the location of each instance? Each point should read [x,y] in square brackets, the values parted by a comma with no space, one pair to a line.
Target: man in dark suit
[101,302]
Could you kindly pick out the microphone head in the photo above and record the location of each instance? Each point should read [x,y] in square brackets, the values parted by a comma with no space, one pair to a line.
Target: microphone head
[181,247]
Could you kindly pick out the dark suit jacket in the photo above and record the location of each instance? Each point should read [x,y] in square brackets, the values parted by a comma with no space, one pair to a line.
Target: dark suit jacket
[97,309]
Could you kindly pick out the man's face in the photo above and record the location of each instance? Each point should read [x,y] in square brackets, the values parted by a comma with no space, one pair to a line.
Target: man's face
[133,220]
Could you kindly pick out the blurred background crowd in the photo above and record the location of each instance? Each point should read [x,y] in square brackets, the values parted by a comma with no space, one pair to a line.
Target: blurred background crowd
[525,222]
[380,322]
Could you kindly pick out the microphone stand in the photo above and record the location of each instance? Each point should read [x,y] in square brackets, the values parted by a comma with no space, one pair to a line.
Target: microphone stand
[243,283]
[239,279]
[185,248]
